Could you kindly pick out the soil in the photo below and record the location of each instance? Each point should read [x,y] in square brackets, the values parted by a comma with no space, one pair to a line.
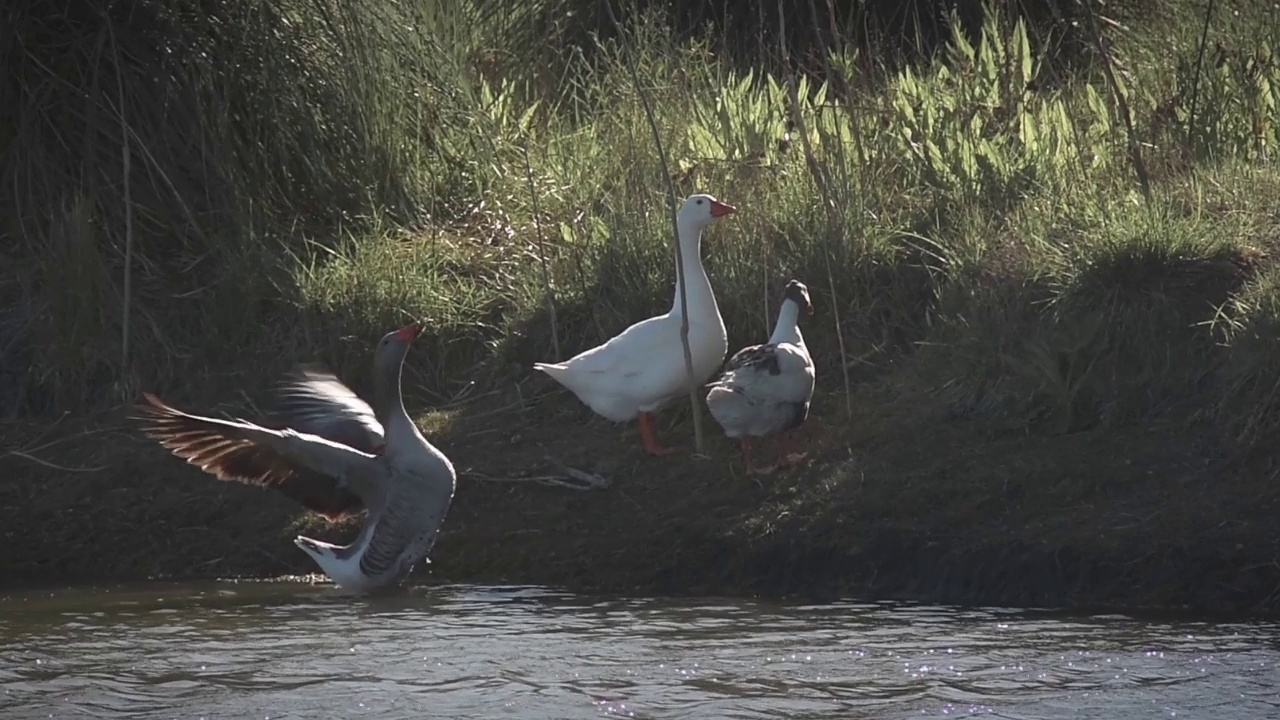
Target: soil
[897,499]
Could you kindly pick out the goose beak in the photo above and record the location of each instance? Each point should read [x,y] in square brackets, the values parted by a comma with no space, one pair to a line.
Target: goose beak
[408,332]
[719,209]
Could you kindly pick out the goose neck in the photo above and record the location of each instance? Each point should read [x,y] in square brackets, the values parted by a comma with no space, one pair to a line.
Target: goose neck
[697,288]
[787,329]
[388,399]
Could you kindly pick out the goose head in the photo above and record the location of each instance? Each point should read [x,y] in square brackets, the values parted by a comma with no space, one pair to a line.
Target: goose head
[394,346]
[798,293]
[388,360]
[699,210]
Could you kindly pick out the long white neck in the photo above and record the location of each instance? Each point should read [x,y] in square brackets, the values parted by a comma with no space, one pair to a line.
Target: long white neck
[389,401]
[788,328]
[702,302]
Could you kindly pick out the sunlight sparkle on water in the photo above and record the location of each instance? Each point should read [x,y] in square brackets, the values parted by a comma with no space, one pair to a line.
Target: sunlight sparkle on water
[274,650]
[611,708]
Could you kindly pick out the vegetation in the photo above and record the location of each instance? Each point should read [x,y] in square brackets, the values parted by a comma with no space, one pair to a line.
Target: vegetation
[1046,288]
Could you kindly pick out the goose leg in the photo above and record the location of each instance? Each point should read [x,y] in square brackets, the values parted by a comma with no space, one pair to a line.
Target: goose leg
[784,456]
[647,436]
[745,442]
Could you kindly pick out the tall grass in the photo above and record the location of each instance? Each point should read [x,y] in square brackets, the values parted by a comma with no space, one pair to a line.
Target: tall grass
[223,133]
[305,173]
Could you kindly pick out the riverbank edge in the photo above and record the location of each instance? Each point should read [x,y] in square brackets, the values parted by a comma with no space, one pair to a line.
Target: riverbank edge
[894,503]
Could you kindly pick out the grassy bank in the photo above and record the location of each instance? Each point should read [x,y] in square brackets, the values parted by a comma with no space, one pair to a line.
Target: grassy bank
[1039,383]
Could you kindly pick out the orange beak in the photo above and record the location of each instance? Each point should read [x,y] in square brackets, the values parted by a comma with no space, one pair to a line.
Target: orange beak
[719,209]
[409,332]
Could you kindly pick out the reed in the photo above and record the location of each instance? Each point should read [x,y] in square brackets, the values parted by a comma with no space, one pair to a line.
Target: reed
[339,169]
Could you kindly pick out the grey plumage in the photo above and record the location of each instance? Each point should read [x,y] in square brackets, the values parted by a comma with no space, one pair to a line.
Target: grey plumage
[336,456]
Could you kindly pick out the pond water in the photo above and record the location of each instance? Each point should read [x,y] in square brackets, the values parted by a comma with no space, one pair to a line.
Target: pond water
[295,650]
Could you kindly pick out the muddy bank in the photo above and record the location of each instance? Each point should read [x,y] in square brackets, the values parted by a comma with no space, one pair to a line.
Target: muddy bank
[902,500]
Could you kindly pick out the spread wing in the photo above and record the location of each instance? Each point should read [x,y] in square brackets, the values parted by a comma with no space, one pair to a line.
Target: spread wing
[322,475]
[312,400]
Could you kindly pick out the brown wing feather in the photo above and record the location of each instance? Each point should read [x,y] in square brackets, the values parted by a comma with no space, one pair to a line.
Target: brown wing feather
[762,358]
[212,447]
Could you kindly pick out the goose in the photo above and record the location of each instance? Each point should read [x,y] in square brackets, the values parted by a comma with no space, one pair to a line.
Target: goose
[766,389]
[335,456]
[642,368]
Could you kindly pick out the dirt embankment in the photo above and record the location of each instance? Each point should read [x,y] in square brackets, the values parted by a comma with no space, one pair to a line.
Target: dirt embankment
[900,500]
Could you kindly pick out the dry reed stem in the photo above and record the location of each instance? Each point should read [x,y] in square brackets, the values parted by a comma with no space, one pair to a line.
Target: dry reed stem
[28,453]
[823,182]
[672,200]
[1195,82]
[127,300]
[542,256]
[855,118]
[1135,148]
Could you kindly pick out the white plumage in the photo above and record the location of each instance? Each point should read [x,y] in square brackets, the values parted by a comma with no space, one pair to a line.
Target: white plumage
[642,368]
[766,389]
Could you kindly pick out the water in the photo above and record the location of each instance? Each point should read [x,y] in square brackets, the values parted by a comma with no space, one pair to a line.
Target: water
[291,650]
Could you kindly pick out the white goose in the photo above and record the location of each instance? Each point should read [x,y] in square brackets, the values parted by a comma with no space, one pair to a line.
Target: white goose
[640,369]
[334,457]
[766,389]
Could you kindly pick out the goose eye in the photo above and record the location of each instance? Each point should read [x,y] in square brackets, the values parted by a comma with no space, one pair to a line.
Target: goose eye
[699,202]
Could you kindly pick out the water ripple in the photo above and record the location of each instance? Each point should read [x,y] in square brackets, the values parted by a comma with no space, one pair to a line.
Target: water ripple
[292,650]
